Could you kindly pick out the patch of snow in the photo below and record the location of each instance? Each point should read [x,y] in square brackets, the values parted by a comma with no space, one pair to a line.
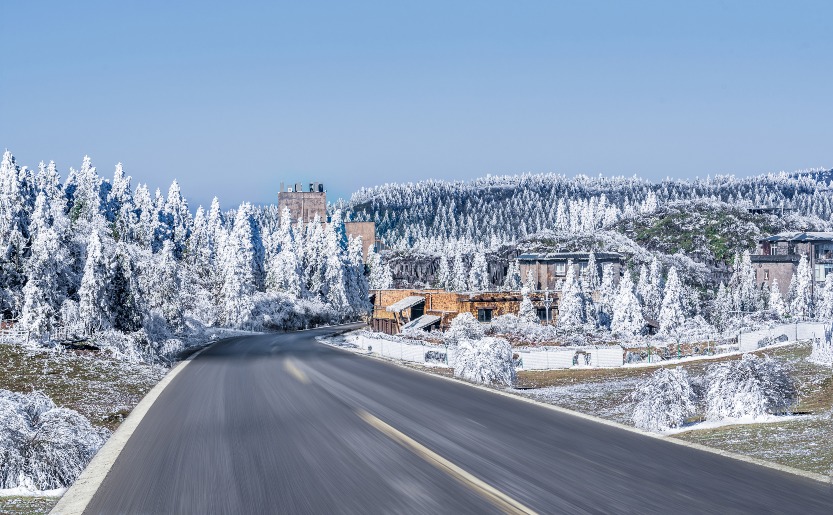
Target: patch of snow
[713,424]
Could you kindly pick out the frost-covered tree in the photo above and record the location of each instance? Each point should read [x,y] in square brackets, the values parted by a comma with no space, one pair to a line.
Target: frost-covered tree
[165,286]
[238,275]
[486,360]
[44,447]
[458,274]
[464,327]
[671,313]
[530,280]
[591,274]
[627,313]
[124,293]
[444,273]
[750,387]
[648,289]
[512,281]
[802,288]
[94,305]
[527,311]
[46,272]
[776,302]
[479,273]
[742,283]
[664,401]
[571,305]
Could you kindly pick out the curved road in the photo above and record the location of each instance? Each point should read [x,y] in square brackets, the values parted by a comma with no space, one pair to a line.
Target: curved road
[283,424]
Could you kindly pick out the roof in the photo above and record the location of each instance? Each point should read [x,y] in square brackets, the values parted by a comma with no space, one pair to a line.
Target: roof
[564,256]
[405,303]
[422,322]
[800,236]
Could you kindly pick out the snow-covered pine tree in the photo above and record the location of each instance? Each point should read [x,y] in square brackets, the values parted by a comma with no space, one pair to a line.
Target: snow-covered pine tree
[650,291]
[529,282]
[179,218]
[165,286]
[824,311]
[802,301]
[721,307]
[444,273]
[671,313]
[479,273]
[238,276]
[627,317]
[355,279]
[512,281]
[124,296]
[46,271]
[94,308]
[283,273]
[527,311]
[591,274]
[459,276]
[571,304]
[776,301]
[333,289]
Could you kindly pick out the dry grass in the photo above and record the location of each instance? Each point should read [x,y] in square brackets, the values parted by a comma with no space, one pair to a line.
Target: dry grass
[102,389]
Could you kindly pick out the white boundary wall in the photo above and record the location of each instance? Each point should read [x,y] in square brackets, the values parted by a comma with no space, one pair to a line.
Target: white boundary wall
[754,340]
[397,350]
[569,357]
[543,359]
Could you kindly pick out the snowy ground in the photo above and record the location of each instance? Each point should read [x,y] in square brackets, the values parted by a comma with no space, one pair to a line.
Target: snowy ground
[103,389]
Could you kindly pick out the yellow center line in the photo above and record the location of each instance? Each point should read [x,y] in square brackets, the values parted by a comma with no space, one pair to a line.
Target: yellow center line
[294,371]
[502,501]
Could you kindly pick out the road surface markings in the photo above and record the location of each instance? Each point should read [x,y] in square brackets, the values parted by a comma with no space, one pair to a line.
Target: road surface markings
[294,371]
[79,495]
[670,439]
[502,501]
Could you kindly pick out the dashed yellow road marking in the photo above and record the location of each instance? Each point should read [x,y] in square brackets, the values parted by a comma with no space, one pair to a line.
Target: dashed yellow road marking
[502,501]
[294,371]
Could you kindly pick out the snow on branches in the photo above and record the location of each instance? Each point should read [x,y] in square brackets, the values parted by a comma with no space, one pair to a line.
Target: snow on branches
[44,447]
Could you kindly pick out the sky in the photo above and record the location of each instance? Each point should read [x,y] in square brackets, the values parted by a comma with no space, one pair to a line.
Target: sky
[230,98]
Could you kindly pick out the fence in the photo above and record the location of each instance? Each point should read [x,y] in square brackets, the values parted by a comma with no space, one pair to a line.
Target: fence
[413,352]
[544,359]
[753,340]
[568,357]
[13,335]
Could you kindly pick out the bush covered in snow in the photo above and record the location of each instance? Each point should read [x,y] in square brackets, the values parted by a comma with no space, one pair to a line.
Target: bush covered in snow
[464,327]
[519,328]
[487,360]
[665,401]
[43,447]
[749,387]
[822,351]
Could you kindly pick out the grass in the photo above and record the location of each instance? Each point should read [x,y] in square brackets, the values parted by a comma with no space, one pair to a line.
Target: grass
[26,505]
[101,388]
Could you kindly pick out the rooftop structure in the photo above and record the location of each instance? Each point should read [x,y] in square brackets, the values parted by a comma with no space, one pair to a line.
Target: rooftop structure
[778,255]
[550,268]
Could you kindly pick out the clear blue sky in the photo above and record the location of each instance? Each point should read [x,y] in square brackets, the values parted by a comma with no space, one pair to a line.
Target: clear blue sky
[231,98]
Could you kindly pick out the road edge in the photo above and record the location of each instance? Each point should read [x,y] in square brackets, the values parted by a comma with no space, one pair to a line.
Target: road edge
[670,439]
[81,492]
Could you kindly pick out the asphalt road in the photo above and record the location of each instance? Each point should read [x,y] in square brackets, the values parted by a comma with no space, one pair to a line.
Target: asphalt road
[283,424]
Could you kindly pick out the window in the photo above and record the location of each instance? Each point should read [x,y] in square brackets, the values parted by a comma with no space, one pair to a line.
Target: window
[542,313]
[484,315]
[560,268]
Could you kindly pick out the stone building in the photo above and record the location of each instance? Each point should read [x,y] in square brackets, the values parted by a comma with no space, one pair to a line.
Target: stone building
[777,257]
[307,204]
[395,310]
[550,269]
